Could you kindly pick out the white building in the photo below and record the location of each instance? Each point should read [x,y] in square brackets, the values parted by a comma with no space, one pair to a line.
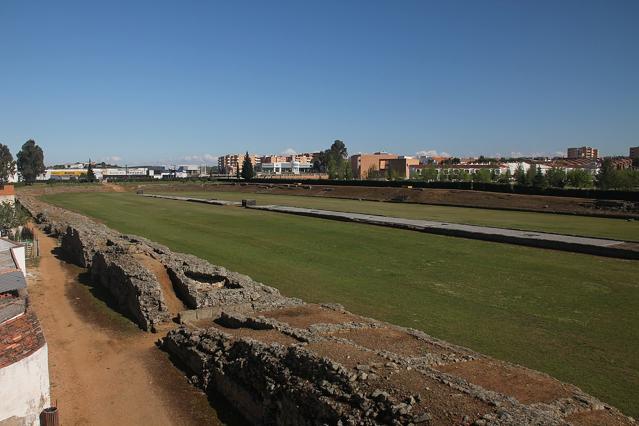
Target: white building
[24,368]
[292,167]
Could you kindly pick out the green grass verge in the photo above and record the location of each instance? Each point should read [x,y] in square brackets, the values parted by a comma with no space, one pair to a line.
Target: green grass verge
[543,222]
[573,316]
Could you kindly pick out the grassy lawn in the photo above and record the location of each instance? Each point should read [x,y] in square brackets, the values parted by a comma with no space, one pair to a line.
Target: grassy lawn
[573,316]
[561,224]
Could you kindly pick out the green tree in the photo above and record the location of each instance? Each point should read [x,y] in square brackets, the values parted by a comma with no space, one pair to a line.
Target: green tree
[7,165]
[608,175]
[12,215]
[627,179]
[505,177]
[30,161]
[482,175]
[464,176]
[347,172]
[539,180]
[247,167]
[556,177]
[429,174]
[520,175]
[334,161]
[579,178]
[90,173]
[530,175]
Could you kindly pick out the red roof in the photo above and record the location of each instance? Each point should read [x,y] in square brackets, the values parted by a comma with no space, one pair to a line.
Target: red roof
[7,190]
[19,338]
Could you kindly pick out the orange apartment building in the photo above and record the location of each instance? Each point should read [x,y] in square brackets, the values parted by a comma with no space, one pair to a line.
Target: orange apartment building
[230,163]
[362,164]
[583,152]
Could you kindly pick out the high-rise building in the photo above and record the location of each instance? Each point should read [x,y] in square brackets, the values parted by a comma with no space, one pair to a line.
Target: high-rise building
[634,152]
[583,152]
[230,163]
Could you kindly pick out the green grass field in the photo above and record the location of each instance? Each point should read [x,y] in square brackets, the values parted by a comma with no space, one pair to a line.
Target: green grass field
[529,221]
[573,316]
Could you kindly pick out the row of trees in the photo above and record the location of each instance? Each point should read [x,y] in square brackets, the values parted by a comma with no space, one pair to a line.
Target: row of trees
[30,162]
[608,177]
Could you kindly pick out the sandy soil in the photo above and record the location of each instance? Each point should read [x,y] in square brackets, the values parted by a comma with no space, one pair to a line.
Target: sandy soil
[103,370]
[174,304]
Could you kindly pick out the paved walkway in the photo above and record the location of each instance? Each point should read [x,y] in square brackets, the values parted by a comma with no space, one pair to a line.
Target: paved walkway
[596,246]
[195,200]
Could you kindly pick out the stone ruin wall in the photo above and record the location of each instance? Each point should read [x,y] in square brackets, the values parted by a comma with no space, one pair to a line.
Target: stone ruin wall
[275,370]
[110,259]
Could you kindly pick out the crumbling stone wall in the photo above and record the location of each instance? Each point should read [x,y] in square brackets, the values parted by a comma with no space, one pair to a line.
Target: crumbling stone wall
[133,288]
[110,258]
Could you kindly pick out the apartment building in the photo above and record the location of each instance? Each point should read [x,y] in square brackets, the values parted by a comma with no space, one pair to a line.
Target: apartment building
[634,152]
[583,152]
[364,164]
[230,163]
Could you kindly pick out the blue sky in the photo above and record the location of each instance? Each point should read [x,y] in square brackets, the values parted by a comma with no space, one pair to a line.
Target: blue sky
[161,81]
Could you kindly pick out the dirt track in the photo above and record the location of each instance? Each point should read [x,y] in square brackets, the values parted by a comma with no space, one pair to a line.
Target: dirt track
[103,370]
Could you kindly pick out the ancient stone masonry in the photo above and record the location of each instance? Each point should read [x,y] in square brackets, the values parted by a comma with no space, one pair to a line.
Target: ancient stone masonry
[279,360]
[314,365]
[115,263]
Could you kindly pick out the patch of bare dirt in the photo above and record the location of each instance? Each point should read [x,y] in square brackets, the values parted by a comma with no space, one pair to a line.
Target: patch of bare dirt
[173,302]
[264,336]
[396,341]
[598,418]
[347,355]
[306,315]
[526,386]
[445,404]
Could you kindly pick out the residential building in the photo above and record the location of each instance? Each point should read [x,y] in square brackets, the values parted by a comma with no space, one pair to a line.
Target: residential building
[364,165]
[583,152]
[230,163]
[634,152]
[24,368]
[288,167]
[400,167]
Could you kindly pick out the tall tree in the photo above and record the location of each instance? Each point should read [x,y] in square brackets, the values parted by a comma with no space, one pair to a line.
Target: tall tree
[520,175]
[556,177]
[608,176]
[539,180]
[7,165]
[334,161]
[30,161]
[90,172]
[579,178]
[247,168]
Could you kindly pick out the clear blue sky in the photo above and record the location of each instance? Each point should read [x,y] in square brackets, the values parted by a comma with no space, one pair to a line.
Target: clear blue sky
[163,81]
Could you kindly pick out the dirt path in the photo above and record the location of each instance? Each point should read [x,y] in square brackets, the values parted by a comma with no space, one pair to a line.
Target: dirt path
[174,304]
[104,370]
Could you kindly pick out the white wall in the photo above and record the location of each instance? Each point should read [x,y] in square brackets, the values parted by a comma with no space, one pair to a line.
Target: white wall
[19,255]
[24,388]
